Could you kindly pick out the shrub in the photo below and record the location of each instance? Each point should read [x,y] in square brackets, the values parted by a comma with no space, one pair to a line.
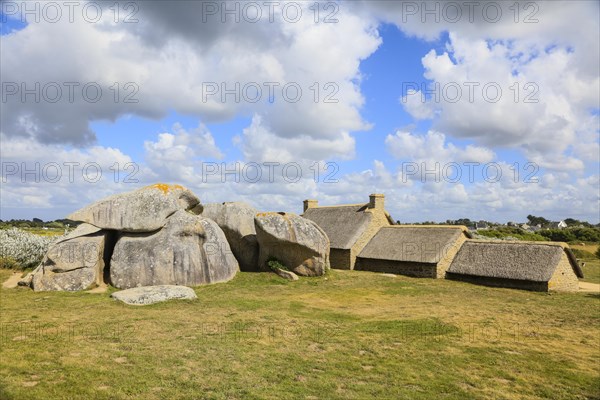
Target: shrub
[19,249]
[8,263]
[572,235]
[511,233]
[598,252]
[275,264]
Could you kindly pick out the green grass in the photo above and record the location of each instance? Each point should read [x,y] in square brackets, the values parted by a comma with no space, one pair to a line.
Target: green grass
[585,252]
[351,335]
[591,271]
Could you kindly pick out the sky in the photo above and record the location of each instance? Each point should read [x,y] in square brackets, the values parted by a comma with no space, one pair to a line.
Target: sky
[481,110]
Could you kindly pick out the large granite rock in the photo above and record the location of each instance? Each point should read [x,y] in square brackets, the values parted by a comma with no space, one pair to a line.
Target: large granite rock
[76,262]
[236,219]
[145,295]
[296,242]
[189,250]
[143,210]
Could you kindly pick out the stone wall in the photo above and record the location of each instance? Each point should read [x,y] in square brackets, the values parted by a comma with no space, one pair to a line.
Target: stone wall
[444,263]
[340,259]
[500,282]
[563,279]
[378,220]
[414,269]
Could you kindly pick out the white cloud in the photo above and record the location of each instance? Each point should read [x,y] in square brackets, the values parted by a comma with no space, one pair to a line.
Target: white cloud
[259,143]
[545,130]
[170,53]
[433,147]
[172,57]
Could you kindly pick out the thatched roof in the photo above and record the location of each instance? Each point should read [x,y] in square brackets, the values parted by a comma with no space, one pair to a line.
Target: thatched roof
[343,224]
[412,243]
[526,261]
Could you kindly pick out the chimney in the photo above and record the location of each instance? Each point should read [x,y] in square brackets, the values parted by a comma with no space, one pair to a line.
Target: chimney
[310,204]
[376,201]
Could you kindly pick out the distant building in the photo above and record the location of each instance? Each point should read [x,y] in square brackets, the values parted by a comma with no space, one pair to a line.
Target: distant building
[531,228]
[558,225]
[481,225]
[349,226]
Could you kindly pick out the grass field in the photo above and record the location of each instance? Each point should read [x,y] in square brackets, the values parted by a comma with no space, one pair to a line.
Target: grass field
[591,271]
[351,335]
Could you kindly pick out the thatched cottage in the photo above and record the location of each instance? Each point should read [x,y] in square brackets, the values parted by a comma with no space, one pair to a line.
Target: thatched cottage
[349,227]
[413,250]
[538,266]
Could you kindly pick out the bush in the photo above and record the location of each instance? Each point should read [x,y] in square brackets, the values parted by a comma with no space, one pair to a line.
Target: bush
[24,249]
[598,252]
[511,233]
[8,263]
[572,235]
[275,264]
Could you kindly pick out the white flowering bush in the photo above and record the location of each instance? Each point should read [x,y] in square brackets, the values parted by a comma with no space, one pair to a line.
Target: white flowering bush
[20,249]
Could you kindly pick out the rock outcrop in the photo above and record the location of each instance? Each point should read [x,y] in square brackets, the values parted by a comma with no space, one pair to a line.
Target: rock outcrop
[143,210]
[296,242]
[151,236]
[189,250]
[236,219]
[289,275]
[75,262]
[145,295]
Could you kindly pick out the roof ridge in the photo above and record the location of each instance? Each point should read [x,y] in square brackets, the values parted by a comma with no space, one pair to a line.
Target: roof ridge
[338,205]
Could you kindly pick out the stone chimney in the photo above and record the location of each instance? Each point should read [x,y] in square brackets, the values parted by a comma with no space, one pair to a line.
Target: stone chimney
[376,201]
[310,204]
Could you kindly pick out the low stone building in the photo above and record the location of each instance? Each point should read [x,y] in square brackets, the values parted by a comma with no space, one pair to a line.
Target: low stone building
[538,266]
[349,226]
[413,250]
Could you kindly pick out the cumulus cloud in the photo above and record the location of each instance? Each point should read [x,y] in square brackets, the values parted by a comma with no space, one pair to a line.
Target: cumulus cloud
[547,116]
[259,143]
[165,61]
[58,179]
[525,80]
[179,57]
[503,198]
[434,147]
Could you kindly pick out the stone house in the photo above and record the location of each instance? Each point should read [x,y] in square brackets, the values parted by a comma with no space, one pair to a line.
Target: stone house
[349,226]
[413,250]
[537,266]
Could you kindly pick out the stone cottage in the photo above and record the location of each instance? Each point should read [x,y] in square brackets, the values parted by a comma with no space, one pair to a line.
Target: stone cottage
[349,226]
[412,250]
[538,266]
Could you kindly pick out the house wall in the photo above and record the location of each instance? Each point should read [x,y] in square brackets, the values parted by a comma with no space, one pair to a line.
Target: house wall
[414,269]
[500,282]
[444,263]
[378,220]
[563,279]
[340,259]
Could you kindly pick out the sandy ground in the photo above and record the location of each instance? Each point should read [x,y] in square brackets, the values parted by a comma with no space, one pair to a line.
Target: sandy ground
[589,287]
[99,289]
[12,281]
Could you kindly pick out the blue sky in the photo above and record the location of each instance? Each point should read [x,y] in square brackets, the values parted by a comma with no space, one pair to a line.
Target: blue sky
[169,134]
